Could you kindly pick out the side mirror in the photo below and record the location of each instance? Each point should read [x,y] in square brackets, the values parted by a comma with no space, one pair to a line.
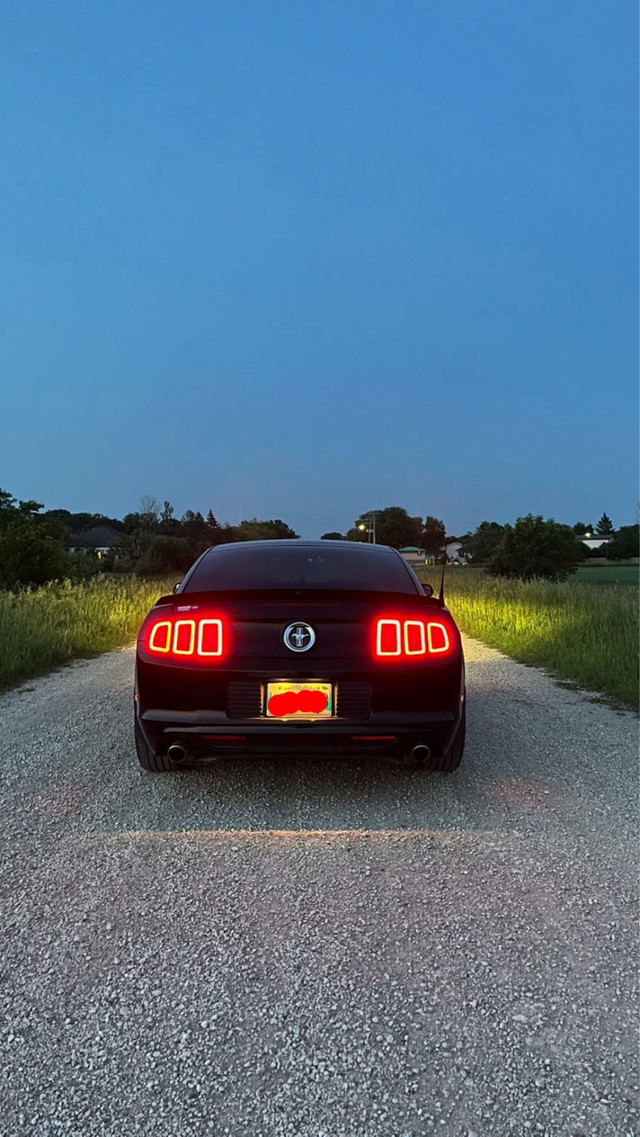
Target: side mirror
[176,587]
[426,588]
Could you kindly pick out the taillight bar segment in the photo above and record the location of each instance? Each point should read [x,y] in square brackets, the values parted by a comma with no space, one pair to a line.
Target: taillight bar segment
[407,639]
[199,639]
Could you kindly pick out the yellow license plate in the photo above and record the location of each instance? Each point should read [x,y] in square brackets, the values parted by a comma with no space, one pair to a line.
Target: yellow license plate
[299,700]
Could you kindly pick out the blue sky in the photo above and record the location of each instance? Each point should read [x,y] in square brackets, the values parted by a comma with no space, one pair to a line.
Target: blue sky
[301,260]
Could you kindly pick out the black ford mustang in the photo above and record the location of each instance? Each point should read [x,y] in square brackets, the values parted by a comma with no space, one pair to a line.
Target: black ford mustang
[305,647]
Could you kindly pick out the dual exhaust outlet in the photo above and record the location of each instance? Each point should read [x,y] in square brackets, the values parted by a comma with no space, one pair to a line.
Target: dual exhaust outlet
[418,754]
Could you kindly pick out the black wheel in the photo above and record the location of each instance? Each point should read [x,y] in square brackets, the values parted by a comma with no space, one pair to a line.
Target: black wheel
[452,759]
[147,759]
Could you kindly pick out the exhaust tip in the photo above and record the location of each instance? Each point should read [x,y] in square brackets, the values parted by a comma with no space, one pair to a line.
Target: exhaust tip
[420,753]
[176,752]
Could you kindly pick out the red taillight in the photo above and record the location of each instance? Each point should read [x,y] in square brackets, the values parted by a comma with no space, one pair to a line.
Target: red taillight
[414,637]
[410,639]
[184,637]
[210,637]
[388,638]
[187,638]
[438,638]
[160,637]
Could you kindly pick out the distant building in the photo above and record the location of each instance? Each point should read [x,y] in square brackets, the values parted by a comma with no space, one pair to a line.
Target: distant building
[454,554]
[102,540]
[413,554]
[417,556]
[596,542]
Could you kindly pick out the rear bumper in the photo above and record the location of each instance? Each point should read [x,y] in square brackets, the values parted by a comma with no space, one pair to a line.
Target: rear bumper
[210,737]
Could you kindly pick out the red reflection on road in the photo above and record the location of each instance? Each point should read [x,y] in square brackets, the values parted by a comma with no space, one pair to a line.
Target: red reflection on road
[292,702]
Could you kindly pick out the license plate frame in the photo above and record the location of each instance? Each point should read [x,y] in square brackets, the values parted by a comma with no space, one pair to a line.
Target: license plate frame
[292,688]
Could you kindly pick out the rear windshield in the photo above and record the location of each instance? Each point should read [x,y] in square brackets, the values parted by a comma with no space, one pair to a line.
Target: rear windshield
[237,567]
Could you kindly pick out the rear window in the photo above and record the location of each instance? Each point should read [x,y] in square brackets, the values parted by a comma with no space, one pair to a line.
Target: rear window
[238,567]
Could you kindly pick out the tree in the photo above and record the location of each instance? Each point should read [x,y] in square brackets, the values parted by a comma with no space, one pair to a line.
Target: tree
[150,510]
[358,532]
[167,523]
[433,536]
[79,522]
[12,510]
[146,519]
[31,550]
[604,528]
[165,555]
[194,526]
[218,534]
[479,546]
[581,530]
[256,530]
[535,549]
[393,526]
[624,545]
[332,537]
[28,556]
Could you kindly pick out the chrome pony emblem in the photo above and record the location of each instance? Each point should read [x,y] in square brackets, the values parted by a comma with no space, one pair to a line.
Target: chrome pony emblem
[299,637]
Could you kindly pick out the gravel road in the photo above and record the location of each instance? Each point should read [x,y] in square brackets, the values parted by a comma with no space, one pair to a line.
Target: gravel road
[319,949]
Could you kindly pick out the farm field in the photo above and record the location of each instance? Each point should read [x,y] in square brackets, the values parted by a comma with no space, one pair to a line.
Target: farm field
[628,575]
[578,631]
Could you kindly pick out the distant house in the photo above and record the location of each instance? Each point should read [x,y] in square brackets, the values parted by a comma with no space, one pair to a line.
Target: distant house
[413,554]
[454,554]
[417,556]
[596,542]
[102,540]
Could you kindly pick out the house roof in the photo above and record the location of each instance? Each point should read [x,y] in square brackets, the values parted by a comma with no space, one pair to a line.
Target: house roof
[100,537]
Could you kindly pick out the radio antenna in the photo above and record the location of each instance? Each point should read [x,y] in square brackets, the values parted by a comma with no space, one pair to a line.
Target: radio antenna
[444,565]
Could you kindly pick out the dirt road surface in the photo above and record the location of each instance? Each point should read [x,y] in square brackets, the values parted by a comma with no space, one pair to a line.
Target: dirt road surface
[319,949]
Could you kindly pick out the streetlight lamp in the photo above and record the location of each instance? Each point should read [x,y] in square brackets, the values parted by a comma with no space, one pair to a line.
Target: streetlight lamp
[369,524]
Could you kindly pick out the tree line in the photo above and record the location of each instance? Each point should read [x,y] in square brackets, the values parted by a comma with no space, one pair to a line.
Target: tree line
[37,546]
[535,548]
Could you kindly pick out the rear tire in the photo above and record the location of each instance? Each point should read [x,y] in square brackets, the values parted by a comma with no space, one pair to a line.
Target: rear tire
[157,764]
[452,759]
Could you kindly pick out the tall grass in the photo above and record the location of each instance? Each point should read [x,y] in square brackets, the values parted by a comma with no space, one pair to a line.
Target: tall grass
[587,634]
[583,633]
[42,628]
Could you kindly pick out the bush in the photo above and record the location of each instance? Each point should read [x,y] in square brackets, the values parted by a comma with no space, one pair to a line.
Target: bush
[535,549]
[625,544]
[30,555]
[165,555]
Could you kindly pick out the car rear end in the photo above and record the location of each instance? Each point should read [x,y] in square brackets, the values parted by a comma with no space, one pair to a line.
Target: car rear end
[232,671]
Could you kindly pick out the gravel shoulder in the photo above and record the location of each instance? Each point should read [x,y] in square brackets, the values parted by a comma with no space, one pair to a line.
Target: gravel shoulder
[288,947]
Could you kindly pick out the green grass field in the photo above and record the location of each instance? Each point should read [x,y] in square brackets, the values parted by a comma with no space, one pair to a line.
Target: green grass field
[578,631]
[628,575]
[45,627]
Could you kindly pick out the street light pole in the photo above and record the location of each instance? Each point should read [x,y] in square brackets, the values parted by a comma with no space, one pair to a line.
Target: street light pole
[370,527]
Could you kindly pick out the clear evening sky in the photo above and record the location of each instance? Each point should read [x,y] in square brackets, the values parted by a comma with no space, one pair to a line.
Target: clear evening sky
[303,259]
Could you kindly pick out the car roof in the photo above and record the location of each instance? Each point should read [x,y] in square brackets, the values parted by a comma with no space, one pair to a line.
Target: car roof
[289,543]
[277,563]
